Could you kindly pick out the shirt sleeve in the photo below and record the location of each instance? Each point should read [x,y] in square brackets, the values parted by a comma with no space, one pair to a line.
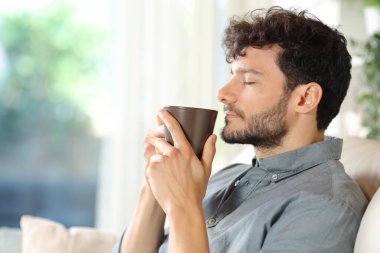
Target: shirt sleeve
[313,227]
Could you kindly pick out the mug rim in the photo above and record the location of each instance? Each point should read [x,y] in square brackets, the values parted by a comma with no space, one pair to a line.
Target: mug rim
[188,108]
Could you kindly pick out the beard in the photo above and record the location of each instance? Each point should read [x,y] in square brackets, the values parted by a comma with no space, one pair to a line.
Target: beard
[264,130]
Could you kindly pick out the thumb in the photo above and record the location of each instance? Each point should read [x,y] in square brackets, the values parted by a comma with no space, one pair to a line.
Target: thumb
[209,153]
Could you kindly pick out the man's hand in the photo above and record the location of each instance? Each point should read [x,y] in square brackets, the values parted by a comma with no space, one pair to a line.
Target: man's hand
[176,176]
[178,180]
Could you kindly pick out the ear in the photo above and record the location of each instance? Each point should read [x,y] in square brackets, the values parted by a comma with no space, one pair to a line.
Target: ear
[308,97]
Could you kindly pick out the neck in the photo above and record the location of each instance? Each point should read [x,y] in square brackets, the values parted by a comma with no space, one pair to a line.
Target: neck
[291,142]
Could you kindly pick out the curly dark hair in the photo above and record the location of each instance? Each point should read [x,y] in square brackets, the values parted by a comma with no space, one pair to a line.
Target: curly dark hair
[311,52]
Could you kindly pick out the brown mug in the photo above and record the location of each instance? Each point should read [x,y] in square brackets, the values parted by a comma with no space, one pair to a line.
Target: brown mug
[197,125]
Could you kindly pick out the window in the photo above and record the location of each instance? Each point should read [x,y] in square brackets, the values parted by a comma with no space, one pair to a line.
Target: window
[51,64]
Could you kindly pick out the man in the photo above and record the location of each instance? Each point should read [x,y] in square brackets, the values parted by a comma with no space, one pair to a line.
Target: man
[290,74]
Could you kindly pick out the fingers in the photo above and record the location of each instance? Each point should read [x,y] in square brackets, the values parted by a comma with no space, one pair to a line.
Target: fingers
[158,131]
[149,142]
[164,148]
[155,160]
[154,134]
[174,128]
[209,153]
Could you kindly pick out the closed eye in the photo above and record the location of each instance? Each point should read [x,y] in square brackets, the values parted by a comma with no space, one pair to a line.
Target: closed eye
[249,83]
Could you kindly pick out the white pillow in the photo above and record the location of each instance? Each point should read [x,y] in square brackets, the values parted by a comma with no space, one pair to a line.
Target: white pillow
[43,235]
[368,238]
[10,240]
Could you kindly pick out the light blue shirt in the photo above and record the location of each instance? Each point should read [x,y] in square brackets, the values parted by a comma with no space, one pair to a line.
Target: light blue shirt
[299,201]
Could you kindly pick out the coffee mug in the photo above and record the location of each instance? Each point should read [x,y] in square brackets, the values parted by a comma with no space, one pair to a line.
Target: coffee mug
[197,125]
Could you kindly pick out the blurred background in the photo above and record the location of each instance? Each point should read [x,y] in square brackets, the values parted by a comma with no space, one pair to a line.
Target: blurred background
[81,82]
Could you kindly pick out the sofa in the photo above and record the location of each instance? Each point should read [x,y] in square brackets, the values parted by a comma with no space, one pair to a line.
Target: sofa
[361,158]
[39,235]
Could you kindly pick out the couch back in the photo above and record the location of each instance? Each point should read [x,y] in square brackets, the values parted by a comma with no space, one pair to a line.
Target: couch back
[361,158]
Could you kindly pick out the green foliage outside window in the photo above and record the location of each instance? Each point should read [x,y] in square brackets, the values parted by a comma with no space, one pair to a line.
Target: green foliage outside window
[50,63]
[51,74]
[370,99]
[372,2]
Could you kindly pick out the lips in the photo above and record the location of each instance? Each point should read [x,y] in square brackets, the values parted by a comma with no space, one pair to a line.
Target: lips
[231,112]
[230,115]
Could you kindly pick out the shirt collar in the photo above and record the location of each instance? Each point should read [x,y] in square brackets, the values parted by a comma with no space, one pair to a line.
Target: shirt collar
[303,158]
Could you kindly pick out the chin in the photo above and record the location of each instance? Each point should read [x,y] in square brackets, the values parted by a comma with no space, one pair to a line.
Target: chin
[233,125]
[228,134]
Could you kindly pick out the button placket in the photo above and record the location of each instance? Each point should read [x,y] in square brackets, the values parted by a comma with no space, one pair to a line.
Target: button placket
[243,190]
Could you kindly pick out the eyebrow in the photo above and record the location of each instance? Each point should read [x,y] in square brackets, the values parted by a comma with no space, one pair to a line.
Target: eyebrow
[249,70]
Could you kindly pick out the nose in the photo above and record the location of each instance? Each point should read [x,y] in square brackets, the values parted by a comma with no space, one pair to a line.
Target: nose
[227,94]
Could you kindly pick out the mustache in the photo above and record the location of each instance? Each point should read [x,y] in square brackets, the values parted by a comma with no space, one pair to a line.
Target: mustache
[235,110]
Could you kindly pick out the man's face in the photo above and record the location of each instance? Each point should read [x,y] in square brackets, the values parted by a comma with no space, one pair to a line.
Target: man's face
[256,102]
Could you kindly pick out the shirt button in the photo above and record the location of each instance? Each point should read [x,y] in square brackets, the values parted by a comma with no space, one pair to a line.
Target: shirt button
[274,177]
[237,182]
[211,221]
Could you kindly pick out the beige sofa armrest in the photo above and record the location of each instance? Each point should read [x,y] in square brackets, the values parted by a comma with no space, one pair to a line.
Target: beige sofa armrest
[361,159]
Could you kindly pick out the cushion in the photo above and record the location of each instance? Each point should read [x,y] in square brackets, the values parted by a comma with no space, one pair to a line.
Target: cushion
[43,235]
[10,240]
[361,159]
[368,238]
